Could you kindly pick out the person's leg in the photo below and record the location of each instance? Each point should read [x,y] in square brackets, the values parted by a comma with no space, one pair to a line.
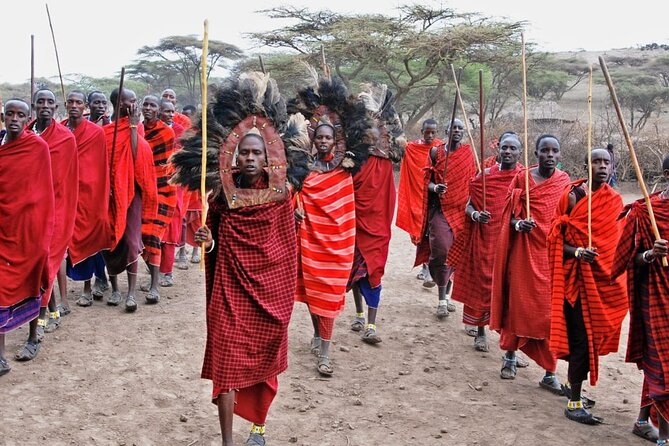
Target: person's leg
[130,301]
[35,334]
[167,251]
[579,357]
[663,430]
[4,365]
[54,315]
[316,340]
[359,321]
[64,306]
[325,329]
[115,297]
[195,256]
[373,300]
[226,409]
[509,367]
[643,426]
[441,238]
[101,284]
[153,296]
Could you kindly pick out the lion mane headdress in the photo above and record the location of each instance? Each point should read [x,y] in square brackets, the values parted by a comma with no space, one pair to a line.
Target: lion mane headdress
[329,102]
[378,100]
[250,103]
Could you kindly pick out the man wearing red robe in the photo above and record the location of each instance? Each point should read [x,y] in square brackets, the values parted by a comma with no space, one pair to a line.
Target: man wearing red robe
[446,180]
[640,254]
[473,254]
[65,177]
[521,294]
[587,307]
[91,226]
[411,194]
[181,119]
[26,221]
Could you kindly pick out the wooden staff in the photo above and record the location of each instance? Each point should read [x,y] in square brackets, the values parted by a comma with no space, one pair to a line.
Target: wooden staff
[32,75]
[464,118]
[527,165]
[481,125]
[203,83]
[2,124]
[262,64]
[326,69]
[450,126]
[55,48]
[117,112]
[590,159]
[630,146]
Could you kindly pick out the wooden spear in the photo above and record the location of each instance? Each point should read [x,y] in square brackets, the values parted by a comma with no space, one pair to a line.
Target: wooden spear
[464,118]
[55,48]
[203,83]
[262,64]
[450,126]
[482,143]
[326,68]
[590,159]
[527,165]
[117,112]
[32,75]
[630,146]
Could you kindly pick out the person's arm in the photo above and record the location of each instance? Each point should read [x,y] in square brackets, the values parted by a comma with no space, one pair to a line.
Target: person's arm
[477,216]
[432,187]
[659,249]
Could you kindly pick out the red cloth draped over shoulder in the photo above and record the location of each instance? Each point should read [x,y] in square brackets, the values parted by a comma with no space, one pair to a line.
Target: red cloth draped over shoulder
[91,225]
[652,279]
[411,193]
[183,120]
[26,218]
[65,177]
[250,289]
[326,241]
[604,302]
[473,253]
[173,234]
[124,172]
[521,292]
[374,187]
[461,170]
[161,140]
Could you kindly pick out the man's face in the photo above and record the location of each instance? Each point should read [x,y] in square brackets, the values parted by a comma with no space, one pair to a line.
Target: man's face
[45,105]
[429,133]
[251,156]
[458,129]
[167,112]
[601,166]
[509,150]
[169,95]
[127,100]
[17,115]
[98,105]
[324,139]
[150,109]
[548,153]
[75,105]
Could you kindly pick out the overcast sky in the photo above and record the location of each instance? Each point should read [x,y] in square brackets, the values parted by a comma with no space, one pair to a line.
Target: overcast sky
[97,38]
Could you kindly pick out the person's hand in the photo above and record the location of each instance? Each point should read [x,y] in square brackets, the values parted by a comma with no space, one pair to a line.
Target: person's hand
[483,217]
[440,188]
[134,114]
[660,248]
[299,215]
[203,235]
[525,225]
[588,255]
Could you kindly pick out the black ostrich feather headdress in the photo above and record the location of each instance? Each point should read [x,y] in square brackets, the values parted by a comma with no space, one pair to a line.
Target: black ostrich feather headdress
[378,100]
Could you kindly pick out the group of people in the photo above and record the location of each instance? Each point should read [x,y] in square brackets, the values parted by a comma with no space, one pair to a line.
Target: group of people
[551,264]
[301,201]
[95,197]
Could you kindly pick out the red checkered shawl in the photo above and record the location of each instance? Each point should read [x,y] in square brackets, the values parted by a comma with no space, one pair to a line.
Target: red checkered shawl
[652,278]
[473,252]
[91,226]
[26,218]
[250,289]
[521,293]
[411,193]
[604,302]
[161,140]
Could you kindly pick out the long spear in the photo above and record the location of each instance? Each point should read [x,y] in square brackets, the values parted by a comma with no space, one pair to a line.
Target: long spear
[262,64]
[527,165]
[55,48]
[481,125]
[450,126]
[32,75]
[203,83]
[464,117]
[590,159]
[630,146]
[117,112]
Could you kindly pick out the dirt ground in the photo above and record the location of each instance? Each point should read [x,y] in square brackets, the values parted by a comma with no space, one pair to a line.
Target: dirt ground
[111,378]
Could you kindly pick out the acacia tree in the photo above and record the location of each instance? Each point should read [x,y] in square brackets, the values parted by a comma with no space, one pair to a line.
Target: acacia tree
[411,51]
[182,54]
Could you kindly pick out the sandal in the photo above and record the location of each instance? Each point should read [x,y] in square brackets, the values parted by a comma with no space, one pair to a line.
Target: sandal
[5,368]
[53,323]
[370,336]
[358,324]
[551,384]
[587,402]
[28,352]
[166,280]
[85,300]
[195,258]
[442,311]
[145,287]
[509,369]
[130,303]
[64,310]
[481,344]
[152,297]
[581,415]
[255,440]
[323,367]
[315,345]
[114,299]
[450,306]
[99,289]
[182,263]
[646,431]
[472,330]
[521,362]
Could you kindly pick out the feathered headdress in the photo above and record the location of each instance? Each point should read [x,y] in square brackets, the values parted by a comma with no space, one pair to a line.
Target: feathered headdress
[250,103]
[378,100]
[354,130]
